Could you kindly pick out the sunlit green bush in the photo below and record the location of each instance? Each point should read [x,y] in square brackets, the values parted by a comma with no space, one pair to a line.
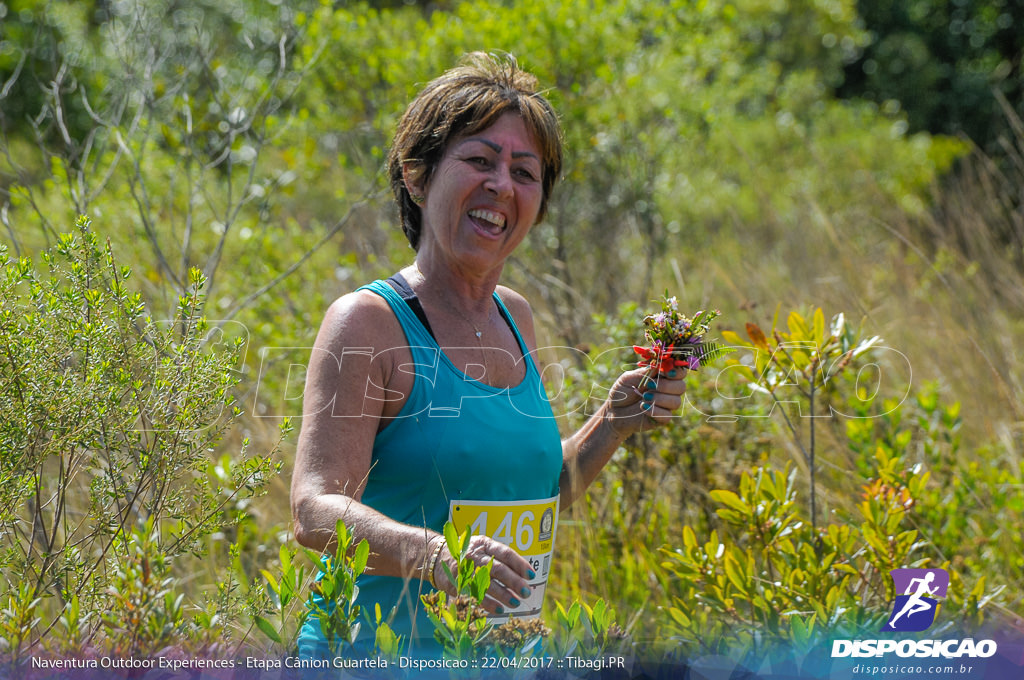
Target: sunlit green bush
[756,555]
[109,418]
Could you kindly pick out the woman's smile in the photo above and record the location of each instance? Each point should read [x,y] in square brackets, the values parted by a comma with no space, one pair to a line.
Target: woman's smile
[488,221]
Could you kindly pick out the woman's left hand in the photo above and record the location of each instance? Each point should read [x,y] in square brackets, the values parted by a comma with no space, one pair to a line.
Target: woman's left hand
[641,399]
[510,572]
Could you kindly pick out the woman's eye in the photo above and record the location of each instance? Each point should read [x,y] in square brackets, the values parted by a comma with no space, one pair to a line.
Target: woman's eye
[479,161]
[527,175]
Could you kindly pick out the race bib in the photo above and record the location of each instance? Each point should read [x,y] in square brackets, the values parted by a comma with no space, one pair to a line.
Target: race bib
[528,527]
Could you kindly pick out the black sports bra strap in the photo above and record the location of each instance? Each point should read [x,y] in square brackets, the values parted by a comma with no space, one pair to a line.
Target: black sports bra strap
[401,286]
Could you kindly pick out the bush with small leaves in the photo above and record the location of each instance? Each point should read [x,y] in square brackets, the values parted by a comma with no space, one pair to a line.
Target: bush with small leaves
[109,419]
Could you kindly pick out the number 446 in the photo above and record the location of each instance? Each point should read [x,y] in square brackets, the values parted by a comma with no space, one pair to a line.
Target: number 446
[523,534]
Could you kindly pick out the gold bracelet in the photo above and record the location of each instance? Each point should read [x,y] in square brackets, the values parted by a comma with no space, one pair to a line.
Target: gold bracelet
[432,564]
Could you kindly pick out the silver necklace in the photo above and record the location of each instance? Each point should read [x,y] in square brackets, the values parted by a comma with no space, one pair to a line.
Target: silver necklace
[476,330]
[465,318]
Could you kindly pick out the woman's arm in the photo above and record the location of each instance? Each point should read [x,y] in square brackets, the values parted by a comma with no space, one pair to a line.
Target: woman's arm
[343,407]
[352,388]
[634,403]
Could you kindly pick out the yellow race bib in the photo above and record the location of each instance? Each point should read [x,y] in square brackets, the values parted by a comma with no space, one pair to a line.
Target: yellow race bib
[528,527]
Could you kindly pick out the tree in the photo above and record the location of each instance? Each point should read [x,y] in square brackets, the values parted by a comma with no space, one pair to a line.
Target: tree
[946,64]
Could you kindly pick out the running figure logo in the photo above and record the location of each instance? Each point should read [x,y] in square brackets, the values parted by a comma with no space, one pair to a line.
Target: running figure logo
[916,603]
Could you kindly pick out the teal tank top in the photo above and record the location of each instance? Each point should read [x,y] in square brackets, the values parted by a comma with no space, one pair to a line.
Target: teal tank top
[455,438]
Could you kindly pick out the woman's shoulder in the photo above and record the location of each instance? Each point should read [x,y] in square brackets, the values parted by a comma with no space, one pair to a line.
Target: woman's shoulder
[359,316]
[519,307]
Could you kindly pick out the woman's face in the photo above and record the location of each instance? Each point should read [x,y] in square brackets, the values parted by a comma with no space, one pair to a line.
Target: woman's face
[484,195]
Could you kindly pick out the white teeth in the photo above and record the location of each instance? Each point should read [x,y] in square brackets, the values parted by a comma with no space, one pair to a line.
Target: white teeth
[494,218]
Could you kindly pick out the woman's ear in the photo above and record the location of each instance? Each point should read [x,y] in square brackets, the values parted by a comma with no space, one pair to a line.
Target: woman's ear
[413,176]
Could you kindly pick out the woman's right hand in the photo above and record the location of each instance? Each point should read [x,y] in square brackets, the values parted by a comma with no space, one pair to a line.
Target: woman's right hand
[509,572]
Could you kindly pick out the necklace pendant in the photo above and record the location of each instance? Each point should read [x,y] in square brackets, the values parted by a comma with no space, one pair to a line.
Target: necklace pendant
[479,333]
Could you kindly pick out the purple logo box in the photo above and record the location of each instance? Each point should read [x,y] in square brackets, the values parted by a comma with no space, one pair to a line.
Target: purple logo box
[939,582]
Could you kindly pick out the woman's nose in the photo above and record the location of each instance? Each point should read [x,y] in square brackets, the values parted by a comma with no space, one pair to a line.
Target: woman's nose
[499,182]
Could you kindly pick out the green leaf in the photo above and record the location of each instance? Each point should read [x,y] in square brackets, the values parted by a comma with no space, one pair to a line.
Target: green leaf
[734,573]
[730,499]
[731,516]
[448,572]
[451,537]
[482,581]
[600,616]
[573,615]
[734,339]
[344,538]
[710,351]
[268,629]
[801,631]
[679,617]
[798,329]
[360,558]
[448,618]
[689,538]
[271,580]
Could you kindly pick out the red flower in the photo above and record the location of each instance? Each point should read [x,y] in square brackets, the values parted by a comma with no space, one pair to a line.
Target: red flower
[662,359]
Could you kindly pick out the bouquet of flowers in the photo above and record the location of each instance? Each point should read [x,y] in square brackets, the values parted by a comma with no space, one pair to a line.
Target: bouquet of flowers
[677,341]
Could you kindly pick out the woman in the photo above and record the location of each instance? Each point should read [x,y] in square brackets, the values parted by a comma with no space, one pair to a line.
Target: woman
[423,402]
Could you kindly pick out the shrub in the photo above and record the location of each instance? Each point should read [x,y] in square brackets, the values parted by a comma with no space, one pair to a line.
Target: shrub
[109,419]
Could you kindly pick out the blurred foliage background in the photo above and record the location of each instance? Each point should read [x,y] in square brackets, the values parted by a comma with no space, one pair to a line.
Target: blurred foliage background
[753,155]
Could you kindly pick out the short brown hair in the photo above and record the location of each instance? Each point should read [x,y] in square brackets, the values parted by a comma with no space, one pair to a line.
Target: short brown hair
[464,100]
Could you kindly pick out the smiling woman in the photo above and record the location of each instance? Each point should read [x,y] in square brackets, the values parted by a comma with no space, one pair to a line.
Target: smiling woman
[440,414]
[481,200]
